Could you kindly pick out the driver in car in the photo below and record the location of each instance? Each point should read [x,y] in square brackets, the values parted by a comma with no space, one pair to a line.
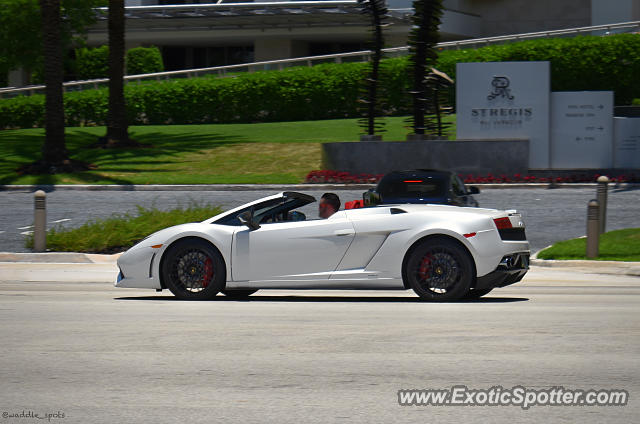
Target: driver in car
[329,204]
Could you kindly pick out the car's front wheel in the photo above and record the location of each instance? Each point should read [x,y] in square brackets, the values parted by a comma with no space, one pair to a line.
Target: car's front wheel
[193,270]
[439,270]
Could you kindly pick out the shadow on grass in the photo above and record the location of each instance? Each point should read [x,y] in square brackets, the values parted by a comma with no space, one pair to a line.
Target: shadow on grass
[329,299]
[18,148]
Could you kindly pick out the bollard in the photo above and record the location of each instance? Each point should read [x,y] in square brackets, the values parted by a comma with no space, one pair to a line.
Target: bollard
[603,183]
[593,229]
[40,222]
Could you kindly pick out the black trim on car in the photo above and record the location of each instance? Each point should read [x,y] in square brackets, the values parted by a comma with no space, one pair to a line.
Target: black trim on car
[512,234]
[512,268]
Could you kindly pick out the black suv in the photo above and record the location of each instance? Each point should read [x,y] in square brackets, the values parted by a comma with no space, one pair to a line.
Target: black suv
[421,186]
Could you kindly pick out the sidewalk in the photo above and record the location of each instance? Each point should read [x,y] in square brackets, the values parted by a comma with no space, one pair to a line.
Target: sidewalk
[58,267]
[58,258]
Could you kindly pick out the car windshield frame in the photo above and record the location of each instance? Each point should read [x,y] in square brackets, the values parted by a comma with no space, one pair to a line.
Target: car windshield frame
[270,206]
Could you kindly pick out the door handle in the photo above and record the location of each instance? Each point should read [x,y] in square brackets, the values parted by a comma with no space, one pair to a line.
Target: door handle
[345,232]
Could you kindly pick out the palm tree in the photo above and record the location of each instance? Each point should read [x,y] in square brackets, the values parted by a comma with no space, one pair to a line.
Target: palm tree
[422,41]
[117,127]
[377,12]
[55,32]
[438,85]
[54,151]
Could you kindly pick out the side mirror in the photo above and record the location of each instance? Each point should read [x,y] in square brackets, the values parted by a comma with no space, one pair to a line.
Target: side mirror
[246,218]
[473,190]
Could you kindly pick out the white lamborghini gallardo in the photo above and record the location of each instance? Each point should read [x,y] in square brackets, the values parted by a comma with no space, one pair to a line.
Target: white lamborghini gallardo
[443,253]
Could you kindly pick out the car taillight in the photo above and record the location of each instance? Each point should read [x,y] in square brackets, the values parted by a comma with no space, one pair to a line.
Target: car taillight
[503,223]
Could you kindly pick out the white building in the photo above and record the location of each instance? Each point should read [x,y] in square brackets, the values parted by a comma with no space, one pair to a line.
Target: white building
[206,33]
[194,34]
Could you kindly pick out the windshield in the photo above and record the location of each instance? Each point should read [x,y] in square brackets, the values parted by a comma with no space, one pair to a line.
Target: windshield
[270,210]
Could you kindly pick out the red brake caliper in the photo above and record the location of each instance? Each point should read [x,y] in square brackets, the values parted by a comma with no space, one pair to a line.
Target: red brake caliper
[425,267]
[208,272]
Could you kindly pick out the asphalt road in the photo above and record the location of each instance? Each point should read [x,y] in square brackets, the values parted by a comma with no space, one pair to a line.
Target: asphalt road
[550,215]
[102,355]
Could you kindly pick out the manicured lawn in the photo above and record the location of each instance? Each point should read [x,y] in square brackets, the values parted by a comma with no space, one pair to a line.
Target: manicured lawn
[119,232]
[619,245]
[282,152]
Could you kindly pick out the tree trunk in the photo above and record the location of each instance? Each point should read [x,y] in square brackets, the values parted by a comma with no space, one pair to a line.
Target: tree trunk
[54,151]
[422,41]
[375,67]
[117,128]
[376,12]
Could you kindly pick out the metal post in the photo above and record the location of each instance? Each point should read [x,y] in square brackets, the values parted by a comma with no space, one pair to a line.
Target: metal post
[603,183]
[593,229]
[40,222]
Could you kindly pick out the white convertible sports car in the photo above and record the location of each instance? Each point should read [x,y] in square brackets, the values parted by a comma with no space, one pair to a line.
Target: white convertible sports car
[443,253]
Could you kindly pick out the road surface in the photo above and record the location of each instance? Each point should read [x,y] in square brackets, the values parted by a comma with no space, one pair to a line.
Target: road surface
[102,355]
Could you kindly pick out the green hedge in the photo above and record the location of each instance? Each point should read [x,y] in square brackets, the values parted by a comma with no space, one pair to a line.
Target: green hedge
[331,91]
[92,63]
[578,63]
[144,60]
[321,92]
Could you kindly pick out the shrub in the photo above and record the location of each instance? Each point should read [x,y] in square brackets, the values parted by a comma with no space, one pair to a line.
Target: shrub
[82,108]
[330,91]
[22,112]
[92,62]
[144,60]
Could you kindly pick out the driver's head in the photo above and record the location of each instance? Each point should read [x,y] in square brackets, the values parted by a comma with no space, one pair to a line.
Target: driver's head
[329,204]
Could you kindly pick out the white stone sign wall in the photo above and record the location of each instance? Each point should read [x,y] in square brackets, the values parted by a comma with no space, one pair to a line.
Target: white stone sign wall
[581,129]
[505,100]
[626,144]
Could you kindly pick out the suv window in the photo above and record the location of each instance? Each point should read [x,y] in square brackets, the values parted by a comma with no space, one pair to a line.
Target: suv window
[458,186]
[400,186]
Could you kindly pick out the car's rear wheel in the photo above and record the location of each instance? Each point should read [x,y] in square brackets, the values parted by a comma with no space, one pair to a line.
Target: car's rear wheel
[239,293]
[477,293]
[193,270]
[439,270]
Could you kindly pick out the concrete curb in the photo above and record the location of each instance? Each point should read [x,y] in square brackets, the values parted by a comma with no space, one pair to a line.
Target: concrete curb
[275,187]
[58,258]
[58,272]
[596,267]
